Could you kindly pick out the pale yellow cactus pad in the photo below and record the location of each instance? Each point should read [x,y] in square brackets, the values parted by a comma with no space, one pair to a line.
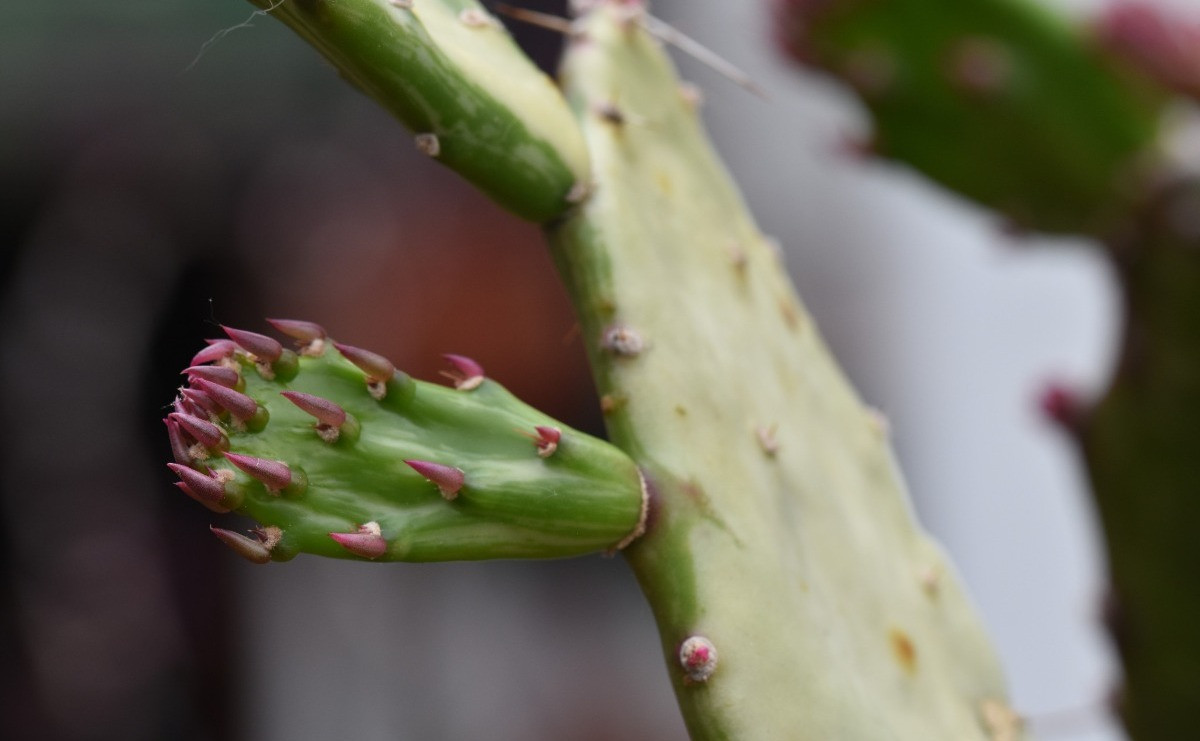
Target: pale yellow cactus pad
[782,534]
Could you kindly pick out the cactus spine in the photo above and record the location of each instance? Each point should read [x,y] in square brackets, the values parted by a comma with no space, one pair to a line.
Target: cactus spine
[796,596]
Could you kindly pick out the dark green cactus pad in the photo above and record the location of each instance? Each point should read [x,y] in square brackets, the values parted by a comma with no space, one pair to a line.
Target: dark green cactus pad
[336,453]
[996,99]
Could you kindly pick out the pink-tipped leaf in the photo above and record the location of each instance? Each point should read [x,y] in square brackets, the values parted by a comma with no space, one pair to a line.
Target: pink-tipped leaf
[179,447]
[238,404]
[299,330]
[325,411]
[275,475]
[204,488]
[448,479]
[216,350]
[465,372]
[250,549]
[377,367]
[198,403]
[260,346]
[218,374]
[205,432]
[367,542]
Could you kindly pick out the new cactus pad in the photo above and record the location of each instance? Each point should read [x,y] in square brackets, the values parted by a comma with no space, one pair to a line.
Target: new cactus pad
[783,535]
[335,452]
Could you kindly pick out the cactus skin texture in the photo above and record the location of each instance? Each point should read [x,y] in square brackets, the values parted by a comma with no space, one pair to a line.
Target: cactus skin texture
[1139,440]
[451,73]
[340,455]
[996,99]
[794,593]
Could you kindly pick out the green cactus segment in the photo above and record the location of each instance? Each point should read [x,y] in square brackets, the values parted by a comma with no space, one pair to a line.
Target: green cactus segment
[795,595]
[1140,442]
[330,458]
[448,69]
[996,99]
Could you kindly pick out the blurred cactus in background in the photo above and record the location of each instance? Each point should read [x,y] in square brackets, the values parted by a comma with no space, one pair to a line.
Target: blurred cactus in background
[1070,128]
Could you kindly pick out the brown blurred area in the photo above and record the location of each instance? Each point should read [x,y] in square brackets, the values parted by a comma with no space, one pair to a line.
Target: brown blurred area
[149,195]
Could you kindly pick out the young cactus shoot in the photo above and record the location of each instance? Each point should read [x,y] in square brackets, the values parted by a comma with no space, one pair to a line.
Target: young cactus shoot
[337,453]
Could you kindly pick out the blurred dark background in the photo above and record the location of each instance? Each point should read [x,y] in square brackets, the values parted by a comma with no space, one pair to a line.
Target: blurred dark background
[155,184]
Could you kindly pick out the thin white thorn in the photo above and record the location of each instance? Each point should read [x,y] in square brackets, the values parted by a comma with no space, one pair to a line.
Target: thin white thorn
[547,21]
[668,34]
[226,31]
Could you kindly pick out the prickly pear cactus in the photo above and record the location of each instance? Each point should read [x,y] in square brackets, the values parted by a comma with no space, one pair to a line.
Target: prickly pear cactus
[756,498]
[337,453]
[782,535]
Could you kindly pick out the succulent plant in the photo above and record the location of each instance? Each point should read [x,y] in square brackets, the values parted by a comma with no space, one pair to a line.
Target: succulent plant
[753,494]
[343,455]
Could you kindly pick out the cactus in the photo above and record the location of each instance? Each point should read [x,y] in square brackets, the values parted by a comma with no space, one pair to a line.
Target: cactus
[773,478]
[1059,128]
[342,455]
[753,494]
[957,88]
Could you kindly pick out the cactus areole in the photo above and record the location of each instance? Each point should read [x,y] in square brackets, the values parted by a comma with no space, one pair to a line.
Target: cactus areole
[752,493]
